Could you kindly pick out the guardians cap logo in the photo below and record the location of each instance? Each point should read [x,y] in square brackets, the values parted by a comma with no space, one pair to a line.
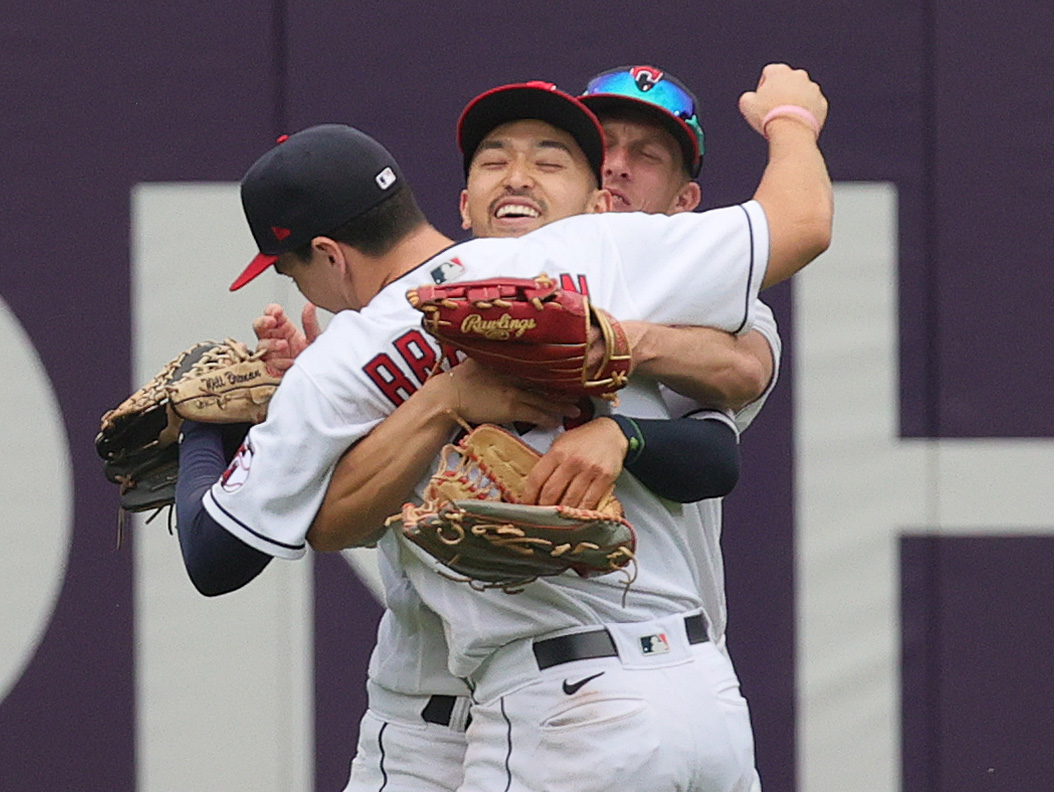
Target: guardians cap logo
[646,77]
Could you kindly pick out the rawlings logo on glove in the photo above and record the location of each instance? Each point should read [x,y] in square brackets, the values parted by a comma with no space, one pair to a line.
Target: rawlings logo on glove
[530,328]
[497,329]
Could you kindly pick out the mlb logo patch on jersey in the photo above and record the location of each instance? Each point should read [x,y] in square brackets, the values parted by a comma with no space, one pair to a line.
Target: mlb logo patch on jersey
[654,644]
[447,271]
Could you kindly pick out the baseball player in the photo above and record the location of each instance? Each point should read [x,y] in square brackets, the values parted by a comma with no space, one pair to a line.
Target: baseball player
[655,148]
[359,392]
[526,163]
[418,711]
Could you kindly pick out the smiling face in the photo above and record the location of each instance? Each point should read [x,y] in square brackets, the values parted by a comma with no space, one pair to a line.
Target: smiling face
[643,168]
[526,174]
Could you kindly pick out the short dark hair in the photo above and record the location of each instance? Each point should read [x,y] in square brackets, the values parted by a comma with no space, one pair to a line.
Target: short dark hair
[377,230]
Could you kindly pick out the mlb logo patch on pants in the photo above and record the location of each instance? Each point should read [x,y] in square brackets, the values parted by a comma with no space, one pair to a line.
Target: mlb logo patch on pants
[654,644]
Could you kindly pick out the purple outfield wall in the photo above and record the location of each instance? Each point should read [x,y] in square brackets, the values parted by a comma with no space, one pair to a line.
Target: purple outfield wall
[945,104]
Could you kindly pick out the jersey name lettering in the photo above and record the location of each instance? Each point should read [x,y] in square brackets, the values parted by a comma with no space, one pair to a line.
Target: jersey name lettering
[419,355]
[415,353]
[567,284]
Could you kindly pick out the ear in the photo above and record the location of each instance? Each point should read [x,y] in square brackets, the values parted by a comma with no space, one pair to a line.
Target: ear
[599,202]
[687,198]
[466,223]
[329,249]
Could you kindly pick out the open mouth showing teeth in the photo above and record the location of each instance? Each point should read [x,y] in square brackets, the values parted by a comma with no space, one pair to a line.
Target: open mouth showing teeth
[516,210]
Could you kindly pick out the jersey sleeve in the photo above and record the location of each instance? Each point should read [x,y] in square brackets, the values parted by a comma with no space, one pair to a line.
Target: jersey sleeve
[680,405]
[764,323]
[694,268]
[273,488]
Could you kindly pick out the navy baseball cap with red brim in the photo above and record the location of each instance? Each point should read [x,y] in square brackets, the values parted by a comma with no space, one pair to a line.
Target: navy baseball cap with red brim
[311,184]
[531,100]
[259,263]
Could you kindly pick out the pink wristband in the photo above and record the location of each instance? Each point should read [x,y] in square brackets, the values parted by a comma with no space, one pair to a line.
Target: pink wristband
[793,111]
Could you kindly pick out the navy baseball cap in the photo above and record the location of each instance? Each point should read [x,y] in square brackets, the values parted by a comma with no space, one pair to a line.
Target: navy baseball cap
[534,99]
[660,94]
[309,184]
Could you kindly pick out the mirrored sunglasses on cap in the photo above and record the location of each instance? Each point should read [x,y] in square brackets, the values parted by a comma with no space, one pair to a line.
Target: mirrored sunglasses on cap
[651,85]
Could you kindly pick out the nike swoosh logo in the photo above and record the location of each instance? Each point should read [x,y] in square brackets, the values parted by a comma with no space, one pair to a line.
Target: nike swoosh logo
[574,688]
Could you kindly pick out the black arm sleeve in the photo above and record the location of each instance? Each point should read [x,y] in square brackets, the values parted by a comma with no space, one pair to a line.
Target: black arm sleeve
[216,560]
[682,459]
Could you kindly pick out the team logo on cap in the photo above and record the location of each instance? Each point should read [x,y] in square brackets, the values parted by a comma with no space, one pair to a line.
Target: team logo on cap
[646,77]
[385,179]
[280,233]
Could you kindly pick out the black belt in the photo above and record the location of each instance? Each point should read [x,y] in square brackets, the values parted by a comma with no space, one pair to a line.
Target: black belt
[439,710]
[599,643]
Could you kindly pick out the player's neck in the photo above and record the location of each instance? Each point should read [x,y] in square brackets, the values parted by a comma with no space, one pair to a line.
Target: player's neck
[414,249]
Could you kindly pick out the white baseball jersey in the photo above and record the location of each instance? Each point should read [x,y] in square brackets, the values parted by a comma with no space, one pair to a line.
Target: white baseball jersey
[706,544]
[410,654]
[689,269]
[764,323]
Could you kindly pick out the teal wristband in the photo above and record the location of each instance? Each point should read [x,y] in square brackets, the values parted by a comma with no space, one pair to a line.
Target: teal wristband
[633,435]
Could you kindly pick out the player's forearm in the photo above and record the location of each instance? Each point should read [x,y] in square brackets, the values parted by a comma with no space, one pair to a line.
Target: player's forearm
[798,199]
[682,459]
[373,480]
[710,366]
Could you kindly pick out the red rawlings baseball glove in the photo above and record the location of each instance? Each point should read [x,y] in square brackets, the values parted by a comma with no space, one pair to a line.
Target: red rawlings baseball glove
[531,328]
